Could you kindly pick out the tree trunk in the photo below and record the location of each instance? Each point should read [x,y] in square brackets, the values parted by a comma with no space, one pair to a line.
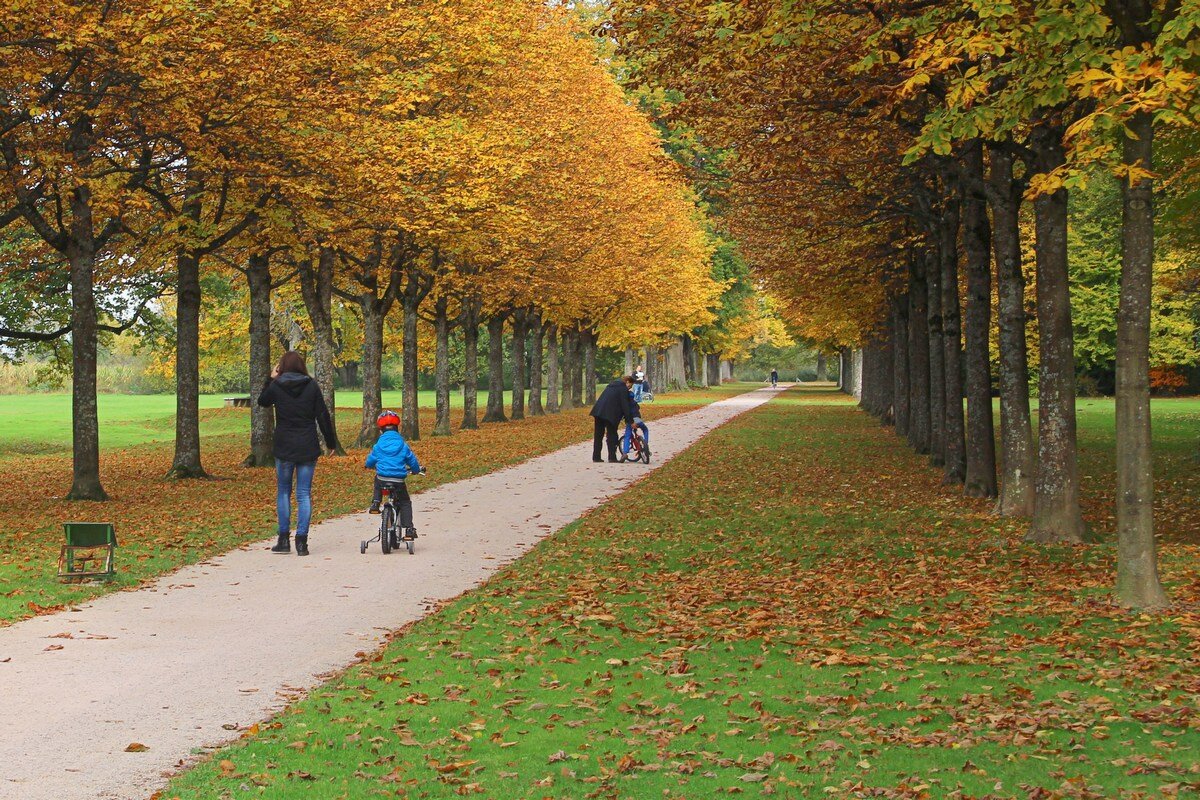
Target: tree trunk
[953,428]
[822,369]
[536,362]
[878,380]
[689,360]
[495,398]
[470,366]
[713,369]
[577,353]
[85,424]
[441,370]
[1016,431]
[900,373]
[1138,585]
[552,370]
[918,356]
[410,426]
[937,363]
[186,463]
[520,331]
[981,436]
[372,369]
[569,367]
[629,356]
[262,419]
[1056,514]
[317,288]
[589,367]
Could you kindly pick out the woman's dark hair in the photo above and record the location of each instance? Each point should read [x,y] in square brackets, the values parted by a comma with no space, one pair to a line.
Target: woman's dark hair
[291,361]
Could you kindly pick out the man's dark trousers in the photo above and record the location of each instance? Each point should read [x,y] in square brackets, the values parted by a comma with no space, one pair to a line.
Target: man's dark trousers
[604,430]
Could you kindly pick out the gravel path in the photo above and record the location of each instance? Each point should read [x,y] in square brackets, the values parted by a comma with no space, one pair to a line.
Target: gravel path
[188,661]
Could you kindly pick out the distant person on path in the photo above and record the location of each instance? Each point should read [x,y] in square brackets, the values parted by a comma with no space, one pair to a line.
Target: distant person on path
[639,383]
[299,409]
[774,378]
[611,407]
[393,461]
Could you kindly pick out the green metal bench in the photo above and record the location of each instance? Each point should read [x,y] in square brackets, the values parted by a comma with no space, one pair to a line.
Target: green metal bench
[86,543]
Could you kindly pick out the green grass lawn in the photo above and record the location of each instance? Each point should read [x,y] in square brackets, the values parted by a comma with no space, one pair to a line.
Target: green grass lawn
[794,607]
[33,424]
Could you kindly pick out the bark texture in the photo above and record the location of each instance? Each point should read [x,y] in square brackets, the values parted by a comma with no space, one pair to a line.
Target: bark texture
[1138,584]
[1056,514]
[900,398]
[1016,430]
[262,419]
[981,437]
[85,423]
[918,356]
[495,396]
[441,369]
[568,366]
[589,367]
[937,363]
[517,357]
[953,427]
[537,357]
[186,463]
[712,369]
[316,285]
[470,317]
[552,368]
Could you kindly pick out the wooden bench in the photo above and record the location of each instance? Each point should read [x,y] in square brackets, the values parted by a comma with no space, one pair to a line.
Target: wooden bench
[86,543]
[237,402]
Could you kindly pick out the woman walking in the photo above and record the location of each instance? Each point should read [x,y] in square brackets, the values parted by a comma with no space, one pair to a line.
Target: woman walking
[299,409]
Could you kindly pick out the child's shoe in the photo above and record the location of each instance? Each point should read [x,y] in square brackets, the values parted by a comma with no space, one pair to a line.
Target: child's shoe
[410,533]
[374,509]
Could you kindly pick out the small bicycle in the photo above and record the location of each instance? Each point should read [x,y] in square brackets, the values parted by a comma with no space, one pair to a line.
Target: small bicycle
[638,451]
[389,536]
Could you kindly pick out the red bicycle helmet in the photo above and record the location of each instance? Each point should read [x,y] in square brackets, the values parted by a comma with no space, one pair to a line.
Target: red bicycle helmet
[388,418]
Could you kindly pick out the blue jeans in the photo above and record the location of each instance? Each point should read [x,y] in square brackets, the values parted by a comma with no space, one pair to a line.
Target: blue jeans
[283,495]
[625,442]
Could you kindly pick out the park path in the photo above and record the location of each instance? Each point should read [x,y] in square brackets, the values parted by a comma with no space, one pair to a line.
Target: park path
[188,661]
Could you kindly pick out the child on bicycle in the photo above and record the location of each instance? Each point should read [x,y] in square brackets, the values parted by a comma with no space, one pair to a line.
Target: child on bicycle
[393,461]
[638,422]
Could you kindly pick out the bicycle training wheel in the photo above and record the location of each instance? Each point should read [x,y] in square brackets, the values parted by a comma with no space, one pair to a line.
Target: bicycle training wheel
[411,545]
[387,520]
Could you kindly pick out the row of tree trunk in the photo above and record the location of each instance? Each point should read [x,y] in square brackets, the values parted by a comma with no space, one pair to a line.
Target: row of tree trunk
[933,355]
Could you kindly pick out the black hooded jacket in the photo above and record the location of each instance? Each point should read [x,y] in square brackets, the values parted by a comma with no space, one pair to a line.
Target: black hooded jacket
[613,405]
[299,409]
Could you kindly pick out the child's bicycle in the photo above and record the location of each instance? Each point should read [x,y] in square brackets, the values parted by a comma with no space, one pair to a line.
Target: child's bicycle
[389,515]
[637,448]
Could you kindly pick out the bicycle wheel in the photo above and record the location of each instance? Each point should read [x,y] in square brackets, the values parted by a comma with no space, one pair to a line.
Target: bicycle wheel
[411,545]
[644,452]
[387,520]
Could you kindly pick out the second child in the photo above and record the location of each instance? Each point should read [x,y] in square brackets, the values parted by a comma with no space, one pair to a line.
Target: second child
[393,461]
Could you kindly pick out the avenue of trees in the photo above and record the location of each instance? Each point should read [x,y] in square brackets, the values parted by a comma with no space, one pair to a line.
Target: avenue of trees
[430,168]
[898,172]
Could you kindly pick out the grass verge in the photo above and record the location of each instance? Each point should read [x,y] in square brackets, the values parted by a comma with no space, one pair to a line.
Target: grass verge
[793,607]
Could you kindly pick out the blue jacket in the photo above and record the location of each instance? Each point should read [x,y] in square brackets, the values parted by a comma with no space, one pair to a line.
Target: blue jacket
[392,457]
